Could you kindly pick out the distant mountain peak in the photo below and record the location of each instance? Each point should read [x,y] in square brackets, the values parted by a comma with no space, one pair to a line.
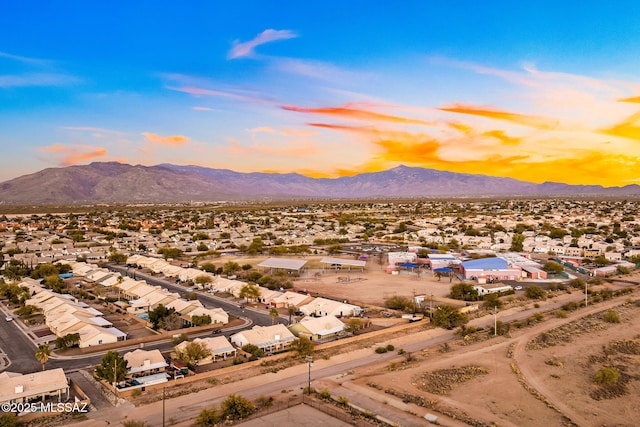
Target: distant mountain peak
[113,182]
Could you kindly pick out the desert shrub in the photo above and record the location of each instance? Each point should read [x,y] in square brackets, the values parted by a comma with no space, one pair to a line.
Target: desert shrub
[611,317]
[135,423]
[237,407]
[561,314]
[324,394]
[381,350]
[343,401]
[264,401]
[209,417]
[390,347]
[606,376]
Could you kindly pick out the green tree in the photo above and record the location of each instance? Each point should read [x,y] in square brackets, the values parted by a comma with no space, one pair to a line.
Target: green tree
[117,257]
[236,407]
[203,279]
[464,291]
[44,270]
[205,319]
[600,261]
[353,325]
[253,350]
[193,352]
[517,242]
[172,253]
[273,312]
[535,292]
[43,352]
[113,368]
[157,314]
[230,267]
[250,291]
[552,267]
[209,267]
[448,317]
[171,322]
[15,270]
[303,346]
[492,301]
[398,302]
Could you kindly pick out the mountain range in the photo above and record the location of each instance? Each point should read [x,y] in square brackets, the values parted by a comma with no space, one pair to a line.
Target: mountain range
[112,182]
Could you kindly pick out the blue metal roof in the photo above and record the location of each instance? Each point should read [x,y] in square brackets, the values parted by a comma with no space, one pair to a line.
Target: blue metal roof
[485,264]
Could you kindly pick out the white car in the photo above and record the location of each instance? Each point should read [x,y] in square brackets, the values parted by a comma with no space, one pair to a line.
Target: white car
[8,318]
[518,288]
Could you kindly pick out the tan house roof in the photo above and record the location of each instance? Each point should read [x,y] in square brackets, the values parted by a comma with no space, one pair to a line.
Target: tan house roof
[15,386]
[144,360]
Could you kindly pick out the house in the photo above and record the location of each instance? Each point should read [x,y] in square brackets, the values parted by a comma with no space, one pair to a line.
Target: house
[92,335]
[270,339]
[146,366]
[318,328]
[489,270]
[492,288]
[291,299]
[219,347]
[19,388]
[324,307]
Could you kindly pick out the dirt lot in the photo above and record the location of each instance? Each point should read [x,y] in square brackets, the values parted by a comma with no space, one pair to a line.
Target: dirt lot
[541,375]
[369,287]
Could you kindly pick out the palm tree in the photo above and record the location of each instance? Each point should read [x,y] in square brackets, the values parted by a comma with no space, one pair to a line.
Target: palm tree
[273,313]
[42,354]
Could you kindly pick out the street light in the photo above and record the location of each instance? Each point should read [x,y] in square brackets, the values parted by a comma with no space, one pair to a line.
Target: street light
[310,364]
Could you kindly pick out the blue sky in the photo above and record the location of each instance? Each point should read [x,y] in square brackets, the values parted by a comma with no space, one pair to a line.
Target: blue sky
[530,90]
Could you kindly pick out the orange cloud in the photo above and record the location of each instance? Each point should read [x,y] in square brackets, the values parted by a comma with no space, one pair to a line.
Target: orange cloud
[74,154]
[629,128]
[502,137]
[632,99]
[357,114]
[521,119]
[172,140]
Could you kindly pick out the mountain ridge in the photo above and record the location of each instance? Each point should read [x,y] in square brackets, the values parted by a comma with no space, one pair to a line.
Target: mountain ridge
[113,182]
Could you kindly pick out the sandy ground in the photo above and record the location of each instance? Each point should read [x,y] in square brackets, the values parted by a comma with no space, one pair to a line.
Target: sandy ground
[524,384]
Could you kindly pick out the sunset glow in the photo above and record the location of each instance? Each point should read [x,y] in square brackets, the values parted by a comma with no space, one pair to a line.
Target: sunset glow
[490,90]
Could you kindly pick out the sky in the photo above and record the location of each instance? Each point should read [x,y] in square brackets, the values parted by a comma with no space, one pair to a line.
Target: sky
[532,90]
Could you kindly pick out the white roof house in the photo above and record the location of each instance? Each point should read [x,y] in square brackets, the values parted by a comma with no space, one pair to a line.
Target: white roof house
[293,299]
[218,315]
[317,328]
[91,335]
[145,361]
[220,348]
[323,307]
[20,388]
[268,338]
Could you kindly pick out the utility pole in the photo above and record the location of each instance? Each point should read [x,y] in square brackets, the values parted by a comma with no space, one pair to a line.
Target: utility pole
[163,398]
[495,321]
[310,364]
[585,294]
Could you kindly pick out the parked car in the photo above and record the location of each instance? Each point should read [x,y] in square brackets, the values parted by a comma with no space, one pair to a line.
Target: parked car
[8,318]
[518,288]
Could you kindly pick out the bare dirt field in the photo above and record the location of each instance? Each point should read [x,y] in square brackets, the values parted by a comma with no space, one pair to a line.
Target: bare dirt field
[541,375]
[369,287]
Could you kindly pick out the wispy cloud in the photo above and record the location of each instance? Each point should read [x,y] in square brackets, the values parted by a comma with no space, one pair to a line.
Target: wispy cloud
[171,140]
[246,49]
[521,119]
[37,79]
[67,155]
[25,60]
[199,91]
[358,114]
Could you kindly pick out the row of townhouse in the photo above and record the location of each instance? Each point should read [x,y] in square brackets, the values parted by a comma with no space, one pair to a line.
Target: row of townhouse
[65,315]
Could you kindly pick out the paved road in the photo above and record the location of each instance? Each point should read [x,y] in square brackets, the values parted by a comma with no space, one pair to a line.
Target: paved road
[257,317]
[19,349]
